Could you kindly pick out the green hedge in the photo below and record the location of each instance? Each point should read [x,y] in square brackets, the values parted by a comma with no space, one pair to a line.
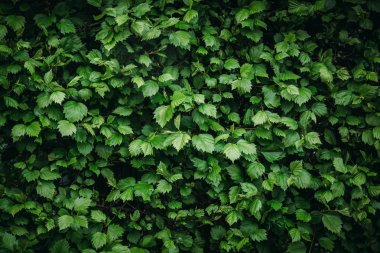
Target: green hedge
[189,126]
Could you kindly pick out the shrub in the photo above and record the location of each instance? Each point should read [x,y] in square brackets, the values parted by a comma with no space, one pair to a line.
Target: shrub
[189,126]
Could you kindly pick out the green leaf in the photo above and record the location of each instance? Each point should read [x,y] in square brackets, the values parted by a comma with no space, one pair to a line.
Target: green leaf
[140,27]
[297,247]
[242,85]
[304,96]
[61,246]
[3,31]
[242,15]
[146,148]
[99,239]
[81,204]
[17,23]
[257,7]
[255,207]
[145,60]
[18,130]
[260,118]
[255,170]
[135,147]
[150,88]
[190,15]
[57,97]
[204,143]
[312,138]
[163,186]
[327,243]
[84,148]
[141,9]
[9,241]
[114,139]
[66,128]
[295,234]
[98,216]
[138,80]
[296,166]
[302,215]
[325,74]
[218,232]
[339,165]
[96,3]
[66,26]
[165,77]
[231,64]
[74,111]
[65,221]
[80,221]
[178,98]
[246,147]
[289,122]
[179,140]
[232,151]
[180,39]
[208,109]
[232,217]
[163,114]
[114,232]
[46,189]
[123,111]
[46,174]
[332,223]
[249,189]
[33,129]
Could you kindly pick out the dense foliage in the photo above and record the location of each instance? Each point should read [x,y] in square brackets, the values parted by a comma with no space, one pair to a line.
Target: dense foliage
[189,126]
